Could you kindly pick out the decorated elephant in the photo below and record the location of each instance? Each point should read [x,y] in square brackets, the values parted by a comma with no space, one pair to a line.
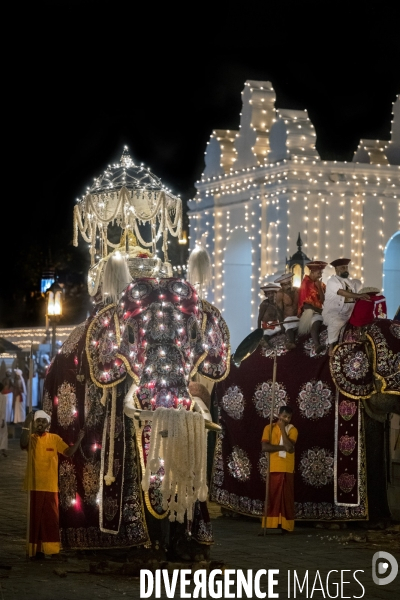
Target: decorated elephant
[128,372]
[138,354]
[340,408]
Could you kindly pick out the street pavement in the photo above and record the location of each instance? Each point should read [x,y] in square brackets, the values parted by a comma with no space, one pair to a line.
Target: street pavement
[302,559]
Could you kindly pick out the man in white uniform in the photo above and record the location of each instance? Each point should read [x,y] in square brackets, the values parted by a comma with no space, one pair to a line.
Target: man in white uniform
[340,296]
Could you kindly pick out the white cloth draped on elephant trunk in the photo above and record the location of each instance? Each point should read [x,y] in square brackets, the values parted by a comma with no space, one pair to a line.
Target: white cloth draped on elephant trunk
[179,443]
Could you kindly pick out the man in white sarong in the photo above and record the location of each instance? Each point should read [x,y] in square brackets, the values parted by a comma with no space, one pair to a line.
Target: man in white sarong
[8,393]
[19,397]
[340,296]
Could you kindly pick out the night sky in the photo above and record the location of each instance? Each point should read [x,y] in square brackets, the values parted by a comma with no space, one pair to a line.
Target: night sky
[86,78]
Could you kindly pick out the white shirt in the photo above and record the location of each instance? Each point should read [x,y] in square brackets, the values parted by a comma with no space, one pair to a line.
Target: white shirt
[334,303]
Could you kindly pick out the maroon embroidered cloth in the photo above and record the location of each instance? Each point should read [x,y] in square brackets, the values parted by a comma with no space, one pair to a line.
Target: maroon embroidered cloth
[330,480]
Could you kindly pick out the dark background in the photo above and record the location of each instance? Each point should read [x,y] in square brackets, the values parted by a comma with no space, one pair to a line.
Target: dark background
[85,78]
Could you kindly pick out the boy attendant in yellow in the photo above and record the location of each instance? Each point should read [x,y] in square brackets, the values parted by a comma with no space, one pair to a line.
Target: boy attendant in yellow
[280,445]
[42,482]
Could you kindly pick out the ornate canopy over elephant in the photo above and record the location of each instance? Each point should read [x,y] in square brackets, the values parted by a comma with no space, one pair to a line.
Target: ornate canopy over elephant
[339,444]
[149,335]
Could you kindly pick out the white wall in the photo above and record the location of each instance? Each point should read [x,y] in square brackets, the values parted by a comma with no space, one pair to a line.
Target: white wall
[237,288]
[391,275]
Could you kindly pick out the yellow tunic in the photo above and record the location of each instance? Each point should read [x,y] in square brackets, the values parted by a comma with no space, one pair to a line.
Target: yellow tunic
[43,474]
[279,464]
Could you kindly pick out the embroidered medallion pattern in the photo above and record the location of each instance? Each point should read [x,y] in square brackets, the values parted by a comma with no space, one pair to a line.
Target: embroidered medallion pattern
[316,466]
[233,402]
[315,399]
[357,365]
[347,444]
[346,482]
[263,398]
[66,409]
[239,464]
[347,409]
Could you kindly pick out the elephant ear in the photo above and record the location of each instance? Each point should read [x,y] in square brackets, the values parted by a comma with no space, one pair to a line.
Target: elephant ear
[103,340]
[352,371]
[216,343]
[384,337]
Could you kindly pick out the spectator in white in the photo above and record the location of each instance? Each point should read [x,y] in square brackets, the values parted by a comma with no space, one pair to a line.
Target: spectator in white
[340,296]
[3,423]
[8,393]
[19,397]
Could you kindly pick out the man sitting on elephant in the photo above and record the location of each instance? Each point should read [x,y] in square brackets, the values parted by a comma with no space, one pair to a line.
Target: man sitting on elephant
[311,300]
[340,296]
[269,314]
[287,300]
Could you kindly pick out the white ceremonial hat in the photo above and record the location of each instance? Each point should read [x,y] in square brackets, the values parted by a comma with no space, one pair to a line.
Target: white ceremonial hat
[283,278]
[40,414]
[270,287]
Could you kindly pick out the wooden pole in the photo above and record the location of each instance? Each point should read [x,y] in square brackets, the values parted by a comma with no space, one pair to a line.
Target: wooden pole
[29,459]
[269,441]
[30,391]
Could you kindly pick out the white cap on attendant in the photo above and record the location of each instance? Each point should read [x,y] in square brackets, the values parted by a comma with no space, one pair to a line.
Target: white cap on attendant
[40,414]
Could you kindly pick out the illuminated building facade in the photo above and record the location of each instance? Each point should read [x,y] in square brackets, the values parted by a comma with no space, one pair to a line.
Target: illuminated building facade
[265,183]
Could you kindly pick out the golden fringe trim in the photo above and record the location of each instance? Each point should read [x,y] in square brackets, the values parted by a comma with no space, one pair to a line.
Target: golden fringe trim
[88,355]
[109,477]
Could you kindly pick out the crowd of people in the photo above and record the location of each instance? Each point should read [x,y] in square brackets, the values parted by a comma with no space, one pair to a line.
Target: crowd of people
[304,310]
[13,397]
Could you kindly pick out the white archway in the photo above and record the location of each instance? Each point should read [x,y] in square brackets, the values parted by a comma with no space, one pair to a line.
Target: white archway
[237,286]
[391,275]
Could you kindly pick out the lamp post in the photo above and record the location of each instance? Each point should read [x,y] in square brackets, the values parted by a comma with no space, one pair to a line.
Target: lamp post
[296,264]
[54,311]
[182,248]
